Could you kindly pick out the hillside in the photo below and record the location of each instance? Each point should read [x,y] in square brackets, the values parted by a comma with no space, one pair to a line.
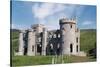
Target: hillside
[87,39]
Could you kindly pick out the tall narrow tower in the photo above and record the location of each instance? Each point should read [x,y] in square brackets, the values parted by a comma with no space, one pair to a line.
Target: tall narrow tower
[31,43]
[21,43]
[68,36]
[44,41]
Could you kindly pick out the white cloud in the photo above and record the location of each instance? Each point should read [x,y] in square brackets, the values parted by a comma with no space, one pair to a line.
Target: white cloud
[43,10]
[87,23]
[21,27]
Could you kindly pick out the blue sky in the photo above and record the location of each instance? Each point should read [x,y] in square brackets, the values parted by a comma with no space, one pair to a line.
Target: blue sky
[25,13]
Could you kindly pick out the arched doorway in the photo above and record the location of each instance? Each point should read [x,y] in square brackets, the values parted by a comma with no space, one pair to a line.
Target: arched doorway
[39,48]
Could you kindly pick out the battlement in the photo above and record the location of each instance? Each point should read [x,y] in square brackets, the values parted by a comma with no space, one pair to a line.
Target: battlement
[67,21]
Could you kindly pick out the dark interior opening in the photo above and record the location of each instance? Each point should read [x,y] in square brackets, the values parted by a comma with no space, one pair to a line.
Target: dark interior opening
[77,48]
[32,48]
[25,51]
[70,25]
[77,39]
[71,48]
[39,49]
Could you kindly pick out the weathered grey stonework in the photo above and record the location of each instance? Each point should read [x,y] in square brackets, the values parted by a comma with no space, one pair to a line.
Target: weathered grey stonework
[40,41]
[69,37]
[31,43]
[44,41]
[21,43]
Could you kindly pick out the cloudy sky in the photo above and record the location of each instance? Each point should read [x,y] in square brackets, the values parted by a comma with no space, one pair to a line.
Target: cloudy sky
[25,13]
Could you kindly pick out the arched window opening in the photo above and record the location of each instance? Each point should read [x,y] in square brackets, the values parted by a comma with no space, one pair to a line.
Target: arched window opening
[58,35]
[50,36]
[51,49]
[71,48]
[70,25]
[77,48]
[51,46]
[39,39]
[54,36]
[77,39]
[32,48]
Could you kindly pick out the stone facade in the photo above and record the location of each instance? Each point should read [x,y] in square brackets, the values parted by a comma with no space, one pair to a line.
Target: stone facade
[39,41]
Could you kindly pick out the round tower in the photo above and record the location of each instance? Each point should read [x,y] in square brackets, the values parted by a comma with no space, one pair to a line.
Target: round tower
[44,41]
[21,42]
[68,38]
[31,43]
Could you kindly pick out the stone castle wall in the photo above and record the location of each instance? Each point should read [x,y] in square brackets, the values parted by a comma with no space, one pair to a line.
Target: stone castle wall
[43,42]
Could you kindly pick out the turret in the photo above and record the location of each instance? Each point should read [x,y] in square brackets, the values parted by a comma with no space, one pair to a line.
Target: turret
[44,41]
[68,37]
[31,43]
[21,43]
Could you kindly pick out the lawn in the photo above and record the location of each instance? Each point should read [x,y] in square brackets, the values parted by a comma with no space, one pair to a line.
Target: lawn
[41,60]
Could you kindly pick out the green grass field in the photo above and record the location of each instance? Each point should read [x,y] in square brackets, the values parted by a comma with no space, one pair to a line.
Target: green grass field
[87,40]
[41,60]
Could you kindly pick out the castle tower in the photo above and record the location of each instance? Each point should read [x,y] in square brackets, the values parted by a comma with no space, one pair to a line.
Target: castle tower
[44,41]
[38,28]
[21,43]
[31,43]
[68,36]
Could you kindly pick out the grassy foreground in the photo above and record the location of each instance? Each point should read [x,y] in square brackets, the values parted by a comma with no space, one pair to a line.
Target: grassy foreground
[41,60]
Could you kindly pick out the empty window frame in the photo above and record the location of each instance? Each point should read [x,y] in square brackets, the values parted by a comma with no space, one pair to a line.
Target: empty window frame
[77,48]
[50,36]
[58,35]
[58,46]
[70,25]
[39,39]
[54,36]
[71,48]
[77,39]
[51,46]
[32,48]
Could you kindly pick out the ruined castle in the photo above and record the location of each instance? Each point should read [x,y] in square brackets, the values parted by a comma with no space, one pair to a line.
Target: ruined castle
[39,41]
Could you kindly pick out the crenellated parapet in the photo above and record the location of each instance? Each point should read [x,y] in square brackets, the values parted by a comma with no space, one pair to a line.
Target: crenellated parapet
[67,21]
